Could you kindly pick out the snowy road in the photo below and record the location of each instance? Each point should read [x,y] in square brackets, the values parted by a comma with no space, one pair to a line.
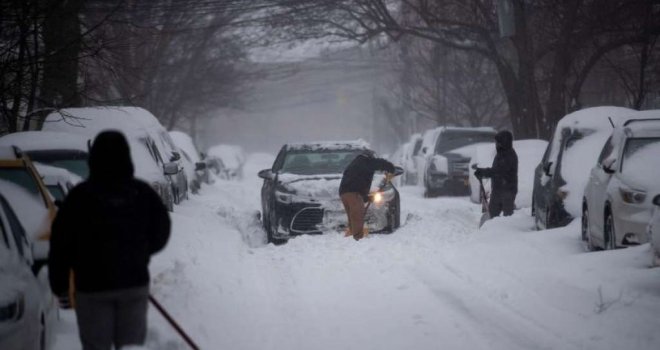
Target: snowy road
[436,283]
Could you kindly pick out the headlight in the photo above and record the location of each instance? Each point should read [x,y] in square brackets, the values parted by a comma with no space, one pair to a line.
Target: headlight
[378,197]
[382,196]
[283,194]
[632,196]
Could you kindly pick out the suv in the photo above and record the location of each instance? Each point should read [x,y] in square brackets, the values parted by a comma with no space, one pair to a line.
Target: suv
[300,193]
[562,174]
[617,205]
[447,164]
[22,186]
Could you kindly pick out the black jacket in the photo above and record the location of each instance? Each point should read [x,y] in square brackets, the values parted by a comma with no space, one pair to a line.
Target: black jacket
[108,226]
[504,171]
[360,173]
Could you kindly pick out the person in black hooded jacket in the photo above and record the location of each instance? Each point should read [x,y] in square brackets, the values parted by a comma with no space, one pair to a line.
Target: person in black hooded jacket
[503,174]
[105,231]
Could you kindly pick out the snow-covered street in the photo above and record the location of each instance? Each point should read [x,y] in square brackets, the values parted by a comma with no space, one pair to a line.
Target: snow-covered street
[436,283]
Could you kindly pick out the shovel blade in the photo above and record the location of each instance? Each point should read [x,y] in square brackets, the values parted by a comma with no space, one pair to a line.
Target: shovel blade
[484,217]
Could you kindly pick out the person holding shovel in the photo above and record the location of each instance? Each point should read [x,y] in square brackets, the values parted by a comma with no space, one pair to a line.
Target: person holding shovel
[106,230]
[354,188]
[503,174]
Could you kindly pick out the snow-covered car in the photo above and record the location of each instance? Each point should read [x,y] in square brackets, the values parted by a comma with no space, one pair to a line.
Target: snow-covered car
[529,155]
[58,181]
[617,204]
[407,155]
[196,170]
[654,231]
[27,305]
[447,165]
[300,193]
[229,160]
[58,149]
[23,187]
[150,162]
[562,174]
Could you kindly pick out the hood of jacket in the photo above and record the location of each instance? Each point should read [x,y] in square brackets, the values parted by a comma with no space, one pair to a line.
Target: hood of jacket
[110,158]
[504,141]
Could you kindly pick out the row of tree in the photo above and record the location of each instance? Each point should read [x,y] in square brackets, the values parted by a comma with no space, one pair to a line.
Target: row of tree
[179,59]
[472,61]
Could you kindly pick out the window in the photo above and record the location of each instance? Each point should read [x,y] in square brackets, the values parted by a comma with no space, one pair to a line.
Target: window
[450,140]
[318,161]
[56,191]
[418,147]
[16,227]
[21,177]
[607,150]
[3,232]
[73,161]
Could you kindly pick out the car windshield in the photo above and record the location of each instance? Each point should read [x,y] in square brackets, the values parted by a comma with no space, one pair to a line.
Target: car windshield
[317,161]
[73,161]
[56,191]
[20,177]
[640,160]
[454,139]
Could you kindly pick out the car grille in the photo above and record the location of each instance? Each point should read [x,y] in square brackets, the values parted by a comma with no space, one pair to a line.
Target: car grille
[459,167]
[306,220]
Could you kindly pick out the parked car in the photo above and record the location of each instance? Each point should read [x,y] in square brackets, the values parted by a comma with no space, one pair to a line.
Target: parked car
[407,156]
[230,160]
[150,162]
[447,164]
[562,174]
[617,203]
[529,154]
[27,305]
[196,169]
[300,192]
[58,149]
[22,186]
[654,231]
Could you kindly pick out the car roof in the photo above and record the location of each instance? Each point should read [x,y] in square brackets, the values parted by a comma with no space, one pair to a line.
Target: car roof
[45,140]
[329,146]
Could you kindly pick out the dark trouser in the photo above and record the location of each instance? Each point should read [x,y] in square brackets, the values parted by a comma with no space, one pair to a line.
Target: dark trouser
[115,317]
[501,202]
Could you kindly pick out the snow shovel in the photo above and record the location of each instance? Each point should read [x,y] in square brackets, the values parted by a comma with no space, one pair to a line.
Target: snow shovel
[173,323]
[485,213]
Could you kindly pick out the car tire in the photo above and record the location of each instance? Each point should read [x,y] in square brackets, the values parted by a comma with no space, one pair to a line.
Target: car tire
[610,233]
[586,236]
[271,229]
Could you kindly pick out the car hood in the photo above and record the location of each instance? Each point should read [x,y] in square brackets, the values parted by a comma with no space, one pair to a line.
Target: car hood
[313,186]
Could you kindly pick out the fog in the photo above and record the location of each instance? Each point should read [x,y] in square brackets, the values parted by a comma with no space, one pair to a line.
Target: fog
[326,96]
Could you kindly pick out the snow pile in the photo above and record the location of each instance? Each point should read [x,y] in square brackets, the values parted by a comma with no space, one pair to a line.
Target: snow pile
[232,156]
[57,174]
[186,144]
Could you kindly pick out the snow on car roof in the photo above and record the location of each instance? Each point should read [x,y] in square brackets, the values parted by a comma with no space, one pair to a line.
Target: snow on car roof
[89,121]
[329,145]
[45,140]
[7,152]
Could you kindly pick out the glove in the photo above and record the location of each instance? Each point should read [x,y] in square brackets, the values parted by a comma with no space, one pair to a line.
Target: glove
[479,173]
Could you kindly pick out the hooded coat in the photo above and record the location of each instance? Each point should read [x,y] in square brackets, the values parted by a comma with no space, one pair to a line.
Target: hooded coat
[108,226]
[359,174]
[504,171]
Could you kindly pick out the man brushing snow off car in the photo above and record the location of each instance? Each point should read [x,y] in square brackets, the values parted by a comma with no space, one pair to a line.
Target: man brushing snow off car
[504,175]
[354,188]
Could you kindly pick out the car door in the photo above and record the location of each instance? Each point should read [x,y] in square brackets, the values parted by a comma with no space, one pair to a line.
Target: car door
[542,185]
[596,191]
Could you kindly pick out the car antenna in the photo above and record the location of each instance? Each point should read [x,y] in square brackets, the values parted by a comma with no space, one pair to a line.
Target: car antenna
[611,122]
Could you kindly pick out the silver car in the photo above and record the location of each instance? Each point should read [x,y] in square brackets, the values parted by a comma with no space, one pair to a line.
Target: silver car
[617,204]
[27,306]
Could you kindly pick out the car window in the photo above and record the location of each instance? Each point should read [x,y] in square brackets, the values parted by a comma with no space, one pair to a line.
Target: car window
[21,177]
[279,160]
[450,140]
[75,162]
[56,191]
[317,162]
[418,147]
[16,227]
[606,151]
[3,233]
[639,148]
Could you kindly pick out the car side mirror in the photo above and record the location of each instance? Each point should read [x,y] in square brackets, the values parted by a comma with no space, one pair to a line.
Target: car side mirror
[175,156]
[266,174]
[546,168]
[398,170]
[656,200]
[607,165]
[171,168]
[200,166]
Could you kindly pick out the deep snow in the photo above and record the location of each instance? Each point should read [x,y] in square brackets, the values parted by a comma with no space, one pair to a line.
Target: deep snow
[437,282]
